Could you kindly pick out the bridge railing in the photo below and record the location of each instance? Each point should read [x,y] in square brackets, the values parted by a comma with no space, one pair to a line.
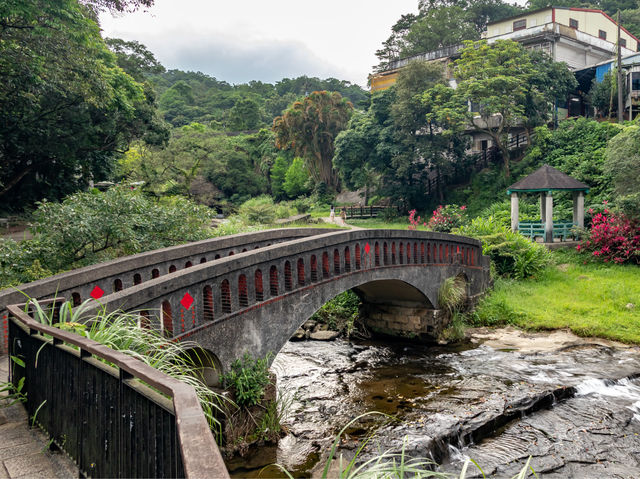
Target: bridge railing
[114,415]
[187,301]
[123,273]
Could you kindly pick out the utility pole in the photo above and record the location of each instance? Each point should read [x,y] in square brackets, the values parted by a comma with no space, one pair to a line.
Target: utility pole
[620,85]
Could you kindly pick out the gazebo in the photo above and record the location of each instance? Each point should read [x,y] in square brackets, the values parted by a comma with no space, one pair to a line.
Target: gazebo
[544,181]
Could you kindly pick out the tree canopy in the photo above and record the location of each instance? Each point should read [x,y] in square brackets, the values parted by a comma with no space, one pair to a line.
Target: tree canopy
[309,128]
[66,108]
[499,86]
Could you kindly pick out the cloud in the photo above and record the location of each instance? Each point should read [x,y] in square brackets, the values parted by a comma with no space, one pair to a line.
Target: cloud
[240,62]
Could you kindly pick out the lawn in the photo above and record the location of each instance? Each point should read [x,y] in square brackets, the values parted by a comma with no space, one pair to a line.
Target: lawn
[590,299]
[379,223]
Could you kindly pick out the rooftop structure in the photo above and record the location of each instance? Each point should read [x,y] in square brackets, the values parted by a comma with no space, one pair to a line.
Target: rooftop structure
[581,37]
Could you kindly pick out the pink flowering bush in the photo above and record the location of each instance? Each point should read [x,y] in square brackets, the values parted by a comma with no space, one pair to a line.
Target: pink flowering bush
[446,218]
[414,221]
[613,238]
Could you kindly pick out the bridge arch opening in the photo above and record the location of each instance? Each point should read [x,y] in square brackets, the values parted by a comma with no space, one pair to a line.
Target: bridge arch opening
[357,254]
[273,281]
[207,365]
[137,279]
[288,282]
[301,272]
[167,319]
[155,273]
[207,303]
[258,285]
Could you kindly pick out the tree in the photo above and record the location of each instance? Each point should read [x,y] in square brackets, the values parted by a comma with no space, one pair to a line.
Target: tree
[441,24]
[134,58]
[66,109]
[309,128]
[499,87]
[295,179]
[623,162]
[278,173]
[245,115]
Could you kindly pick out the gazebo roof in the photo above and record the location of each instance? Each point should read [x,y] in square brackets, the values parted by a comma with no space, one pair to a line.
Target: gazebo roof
[547,178]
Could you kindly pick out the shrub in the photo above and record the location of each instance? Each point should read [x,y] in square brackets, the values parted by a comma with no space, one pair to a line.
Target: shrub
[339,313]
[446,218]
[613,237]
[87,228]
[512,254]
[260,210]
[247,379]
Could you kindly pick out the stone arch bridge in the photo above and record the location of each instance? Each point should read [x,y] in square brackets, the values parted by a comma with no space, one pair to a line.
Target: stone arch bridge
[250,292]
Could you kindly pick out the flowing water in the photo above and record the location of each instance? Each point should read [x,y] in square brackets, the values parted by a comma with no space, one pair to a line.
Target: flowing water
[573,406]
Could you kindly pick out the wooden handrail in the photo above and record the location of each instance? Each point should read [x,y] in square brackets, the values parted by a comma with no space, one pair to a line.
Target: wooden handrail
[200,454]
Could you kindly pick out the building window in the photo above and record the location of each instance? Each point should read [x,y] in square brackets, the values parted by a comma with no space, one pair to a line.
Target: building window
[635,81]
[602,34]
[573,23]
[623,43]
[520,24]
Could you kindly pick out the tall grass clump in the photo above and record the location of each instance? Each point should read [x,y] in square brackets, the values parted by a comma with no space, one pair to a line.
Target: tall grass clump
[120,331]
[512,254]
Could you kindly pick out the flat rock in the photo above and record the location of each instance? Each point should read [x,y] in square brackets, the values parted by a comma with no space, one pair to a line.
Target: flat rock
[324,335]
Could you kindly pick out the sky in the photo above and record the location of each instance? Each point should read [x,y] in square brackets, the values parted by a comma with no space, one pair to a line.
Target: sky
[240,40]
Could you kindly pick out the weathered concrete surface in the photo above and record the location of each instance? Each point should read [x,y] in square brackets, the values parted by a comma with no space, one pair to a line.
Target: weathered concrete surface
[24,451]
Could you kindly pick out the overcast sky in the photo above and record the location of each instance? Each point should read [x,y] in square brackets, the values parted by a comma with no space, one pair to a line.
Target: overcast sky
[243,40]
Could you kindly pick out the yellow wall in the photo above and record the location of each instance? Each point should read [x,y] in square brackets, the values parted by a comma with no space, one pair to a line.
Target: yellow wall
[383,81]
[533,20]
[591,22]
[588,22]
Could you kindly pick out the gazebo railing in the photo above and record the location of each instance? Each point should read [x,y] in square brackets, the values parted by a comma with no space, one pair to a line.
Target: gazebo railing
[561,229]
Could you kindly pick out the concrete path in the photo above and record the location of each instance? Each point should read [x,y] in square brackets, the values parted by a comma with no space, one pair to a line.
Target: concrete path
[24,451]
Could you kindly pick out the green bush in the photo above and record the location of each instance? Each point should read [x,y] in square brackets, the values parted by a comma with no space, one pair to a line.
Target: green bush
[90,227]
[260,210]
[339,313]
[248,379]
[512,254]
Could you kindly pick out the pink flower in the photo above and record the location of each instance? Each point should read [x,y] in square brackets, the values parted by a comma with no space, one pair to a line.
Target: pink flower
[463,207]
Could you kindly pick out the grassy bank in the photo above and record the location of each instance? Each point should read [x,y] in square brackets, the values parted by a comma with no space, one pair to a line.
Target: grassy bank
[590,299]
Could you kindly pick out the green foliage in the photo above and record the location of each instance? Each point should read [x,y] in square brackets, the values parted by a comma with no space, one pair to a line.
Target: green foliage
[247,379]
[590,299]
[203,164]
[245,106]
[440,24]
[12,393]
[578,148]
[120,331]
[604,95]
[296,179]
[512,254]
[452,294]
[67,109]
[508,86]
[278,173]
[262,210]
[339,313]
[91,227]
[448,217]
[309,127]
[623,163]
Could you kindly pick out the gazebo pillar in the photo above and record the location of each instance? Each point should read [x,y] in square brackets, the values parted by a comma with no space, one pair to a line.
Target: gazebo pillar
[543,209]
[548,220]
[514,211]
[578,208]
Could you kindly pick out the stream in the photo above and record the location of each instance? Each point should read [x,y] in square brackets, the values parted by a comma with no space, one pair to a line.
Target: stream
[570,403]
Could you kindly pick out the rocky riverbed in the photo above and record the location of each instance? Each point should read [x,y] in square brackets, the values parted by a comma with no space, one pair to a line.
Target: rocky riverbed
[571,403]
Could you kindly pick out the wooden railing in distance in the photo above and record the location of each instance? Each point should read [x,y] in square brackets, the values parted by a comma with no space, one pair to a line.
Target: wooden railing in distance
[110,419]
